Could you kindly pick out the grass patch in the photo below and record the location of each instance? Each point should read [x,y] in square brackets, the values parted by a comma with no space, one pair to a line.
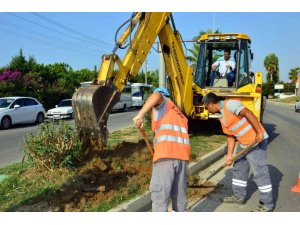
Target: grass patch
[286,100]
[204,143]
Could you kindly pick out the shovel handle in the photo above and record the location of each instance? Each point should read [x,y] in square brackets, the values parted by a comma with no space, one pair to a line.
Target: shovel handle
[250,146]
[147,141]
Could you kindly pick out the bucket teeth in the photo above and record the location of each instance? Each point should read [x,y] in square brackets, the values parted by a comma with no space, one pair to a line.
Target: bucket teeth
[92,106]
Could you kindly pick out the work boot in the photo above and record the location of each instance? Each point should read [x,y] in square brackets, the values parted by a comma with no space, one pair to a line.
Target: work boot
[234,198]
[262,208]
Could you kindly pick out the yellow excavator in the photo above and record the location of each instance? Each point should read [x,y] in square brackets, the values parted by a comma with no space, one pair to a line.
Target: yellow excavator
[93,104]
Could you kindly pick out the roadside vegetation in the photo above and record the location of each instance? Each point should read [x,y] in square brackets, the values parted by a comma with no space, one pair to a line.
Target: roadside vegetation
[54,178]
[292,99]
[49,83]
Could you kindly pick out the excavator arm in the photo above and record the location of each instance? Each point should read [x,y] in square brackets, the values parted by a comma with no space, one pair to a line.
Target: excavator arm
[93,104]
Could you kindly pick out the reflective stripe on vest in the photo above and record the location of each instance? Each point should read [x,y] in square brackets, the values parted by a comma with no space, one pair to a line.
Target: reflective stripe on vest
[171,138]
[171,127]
[238,124]
[223,121]
[244,131]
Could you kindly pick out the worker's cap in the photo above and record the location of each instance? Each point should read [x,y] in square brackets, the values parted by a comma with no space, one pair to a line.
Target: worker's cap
[163,91]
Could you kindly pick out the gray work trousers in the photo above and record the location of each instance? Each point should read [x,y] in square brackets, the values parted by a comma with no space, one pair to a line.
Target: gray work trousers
[169,180]
[256,158]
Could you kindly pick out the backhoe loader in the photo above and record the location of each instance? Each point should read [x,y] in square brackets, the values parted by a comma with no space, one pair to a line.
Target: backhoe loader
[93,104]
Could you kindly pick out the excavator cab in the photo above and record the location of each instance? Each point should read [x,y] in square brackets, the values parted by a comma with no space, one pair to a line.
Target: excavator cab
[245,85]
[213,48]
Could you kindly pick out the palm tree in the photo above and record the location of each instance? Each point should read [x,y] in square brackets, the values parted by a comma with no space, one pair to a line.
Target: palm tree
[196,48]
[271,64]
[293,74]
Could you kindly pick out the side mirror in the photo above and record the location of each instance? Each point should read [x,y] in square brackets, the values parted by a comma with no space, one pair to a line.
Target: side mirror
[251,56]
[251,74]
[16,106]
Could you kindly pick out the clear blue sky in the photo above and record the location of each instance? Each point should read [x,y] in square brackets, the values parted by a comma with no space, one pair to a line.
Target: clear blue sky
[49,43]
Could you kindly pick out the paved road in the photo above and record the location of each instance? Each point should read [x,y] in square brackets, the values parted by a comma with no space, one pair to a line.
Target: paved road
[12,140]
[283,127]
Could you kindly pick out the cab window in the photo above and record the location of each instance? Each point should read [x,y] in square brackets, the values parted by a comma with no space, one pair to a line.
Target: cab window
[243,72]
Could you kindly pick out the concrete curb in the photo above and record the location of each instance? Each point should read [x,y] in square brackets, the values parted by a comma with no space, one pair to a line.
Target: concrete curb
[143,203]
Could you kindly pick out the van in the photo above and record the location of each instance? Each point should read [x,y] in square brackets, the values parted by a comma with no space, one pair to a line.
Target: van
[125,101]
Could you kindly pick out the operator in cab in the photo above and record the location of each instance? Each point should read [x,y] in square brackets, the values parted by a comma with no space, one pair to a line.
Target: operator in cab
[225,66]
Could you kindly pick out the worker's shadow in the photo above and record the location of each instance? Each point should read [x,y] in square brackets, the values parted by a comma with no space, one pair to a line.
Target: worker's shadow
[214,199]
[271,130]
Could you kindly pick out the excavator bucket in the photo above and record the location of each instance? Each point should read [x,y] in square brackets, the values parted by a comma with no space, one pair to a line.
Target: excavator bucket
[92,106]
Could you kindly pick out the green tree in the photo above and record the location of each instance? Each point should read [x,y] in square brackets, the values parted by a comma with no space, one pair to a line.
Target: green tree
[152,78]
[268,88]
[194,52]
[271,64]
[293,74]
[20,63]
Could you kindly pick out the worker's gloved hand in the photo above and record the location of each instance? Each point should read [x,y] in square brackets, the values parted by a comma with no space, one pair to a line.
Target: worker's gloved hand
[138,121]
[228,160]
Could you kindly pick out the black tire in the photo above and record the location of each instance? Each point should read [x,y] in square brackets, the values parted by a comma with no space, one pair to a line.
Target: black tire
[40,118]
[124,108]
[6,122]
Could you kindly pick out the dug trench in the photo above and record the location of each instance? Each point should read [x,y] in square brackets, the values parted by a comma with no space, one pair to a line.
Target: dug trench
[104,182]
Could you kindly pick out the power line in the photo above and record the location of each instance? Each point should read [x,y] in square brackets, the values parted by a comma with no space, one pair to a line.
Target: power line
[70,29]
[37,40]
[37,24]
[31,32]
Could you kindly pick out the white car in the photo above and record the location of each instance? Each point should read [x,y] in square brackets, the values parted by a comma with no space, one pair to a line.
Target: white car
[297,106]
[63,110]
[16,110]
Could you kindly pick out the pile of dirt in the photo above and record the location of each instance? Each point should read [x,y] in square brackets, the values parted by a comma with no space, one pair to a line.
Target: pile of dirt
[119,172]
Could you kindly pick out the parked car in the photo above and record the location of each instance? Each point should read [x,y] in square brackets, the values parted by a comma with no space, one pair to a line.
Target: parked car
[297,106]
[17,110]
[63,110]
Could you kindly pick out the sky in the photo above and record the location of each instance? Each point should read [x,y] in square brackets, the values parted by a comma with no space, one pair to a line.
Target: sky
[81,38]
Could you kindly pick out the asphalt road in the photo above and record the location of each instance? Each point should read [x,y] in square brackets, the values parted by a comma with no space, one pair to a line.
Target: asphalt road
[12,140]
[283,127]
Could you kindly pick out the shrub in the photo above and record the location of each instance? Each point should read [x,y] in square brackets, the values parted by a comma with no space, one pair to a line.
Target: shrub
[55,146]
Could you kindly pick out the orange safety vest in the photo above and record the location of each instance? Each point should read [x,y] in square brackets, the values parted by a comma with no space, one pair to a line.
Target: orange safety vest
[171,138]
[239,127]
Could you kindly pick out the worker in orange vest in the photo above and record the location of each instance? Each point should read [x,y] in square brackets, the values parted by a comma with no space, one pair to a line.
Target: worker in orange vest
[240,124]
[171,151]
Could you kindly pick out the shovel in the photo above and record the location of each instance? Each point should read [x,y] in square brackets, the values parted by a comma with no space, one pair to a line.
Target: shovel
[202,184]
[147,141]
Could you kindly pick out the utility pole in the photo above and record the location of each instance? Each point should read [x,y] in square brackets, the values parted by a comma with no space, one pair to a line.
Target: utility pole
[297,91]
[161,72]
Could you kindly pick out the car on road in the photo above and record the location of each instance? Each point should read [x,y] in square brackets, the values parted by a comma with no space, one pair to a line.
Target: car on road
[17,110]
[297,106]
[61,111]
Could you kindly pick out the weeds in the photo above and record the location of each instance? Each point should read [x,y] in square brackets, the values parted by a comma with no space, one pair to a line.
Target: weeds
[55,146]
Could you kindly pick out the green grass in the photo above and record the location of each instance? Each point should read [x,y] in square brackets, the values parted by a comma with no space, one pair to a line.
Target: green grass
[20,186]
[286,100]
[205,143]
